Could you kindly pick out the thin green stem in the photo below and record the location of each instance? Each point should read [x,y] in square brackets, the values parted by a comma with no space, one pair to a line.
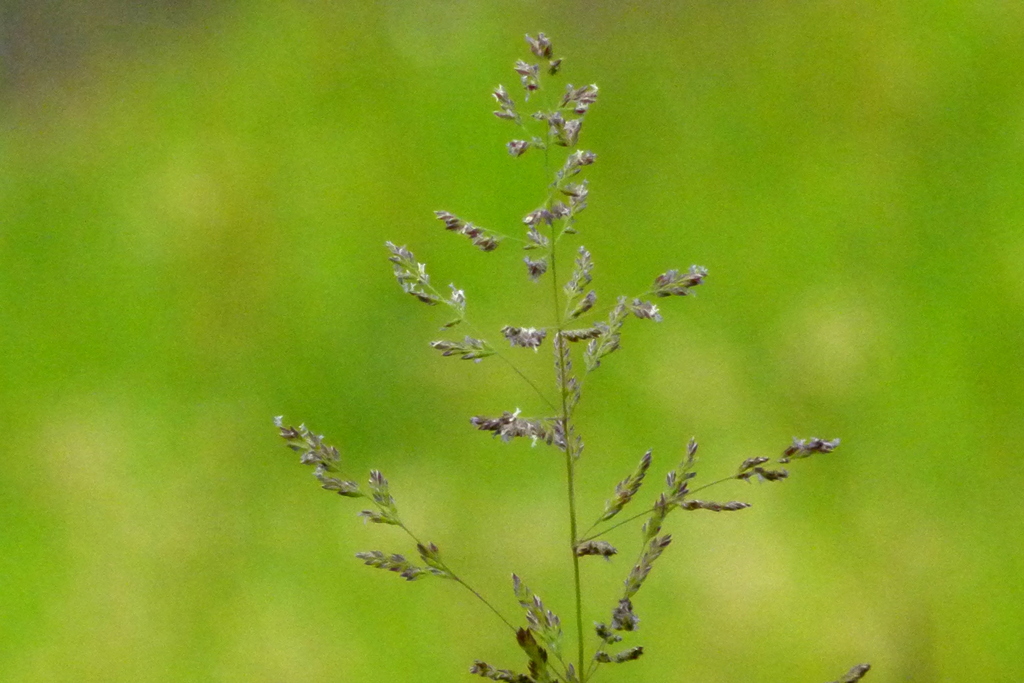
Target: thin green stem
[482,599]
[526,379]
[581,656]
[498,353]
[462,582]
[595,669]
[515,368]
[570,465]
[589,529]
[713,483]
[458,579]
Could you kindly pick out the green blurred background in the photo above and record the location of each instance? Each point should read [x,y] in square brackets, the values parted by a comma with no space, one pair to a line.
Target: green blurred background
[193,203]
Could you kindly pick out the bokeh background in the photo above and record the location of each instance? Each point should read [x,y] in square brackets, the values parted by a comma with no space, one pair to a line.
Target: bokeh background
[193,205]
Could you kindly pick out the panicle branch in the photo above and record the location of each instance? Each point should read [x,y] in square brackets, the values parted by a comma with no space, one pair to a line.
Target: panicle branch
[576,302]
[584,334]
[565,378]
[403,567]
[538,656]
[607,339]
[509,426]
[467,349]
[314,451]
[412,275]
[482,239]
[643,567]
[393,563]
[487,671]
[714,507]
[624,656]
[525,337]
[387,511]
[626,489]
[805,448]
[674,283]
[506,106]
[544,623]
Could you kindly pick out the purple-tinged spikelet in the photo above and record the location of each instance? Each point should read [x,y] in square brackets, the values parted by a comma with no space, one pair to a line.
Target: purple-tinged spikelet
[674,283]
[517,148]
[602,548]
[526,337]
[535,267]
[467,349]
[481,238]
[487,671]
[645,310]
[714,507]
[855,674]
[624,656]
[804,448]
[509,426]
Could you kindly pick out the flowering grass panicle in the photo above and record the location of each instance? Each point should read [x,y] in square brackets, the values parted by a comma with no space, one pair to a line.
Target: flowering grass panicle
[549,121]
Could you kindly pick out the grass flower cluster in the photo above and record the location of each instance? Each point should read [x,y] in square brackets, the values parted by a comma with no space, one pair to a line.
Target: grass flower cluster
[581,335]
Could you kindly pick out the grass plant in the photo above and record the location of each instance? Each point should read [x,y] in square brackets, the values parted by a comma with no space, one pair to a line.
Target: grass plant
[581,335]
